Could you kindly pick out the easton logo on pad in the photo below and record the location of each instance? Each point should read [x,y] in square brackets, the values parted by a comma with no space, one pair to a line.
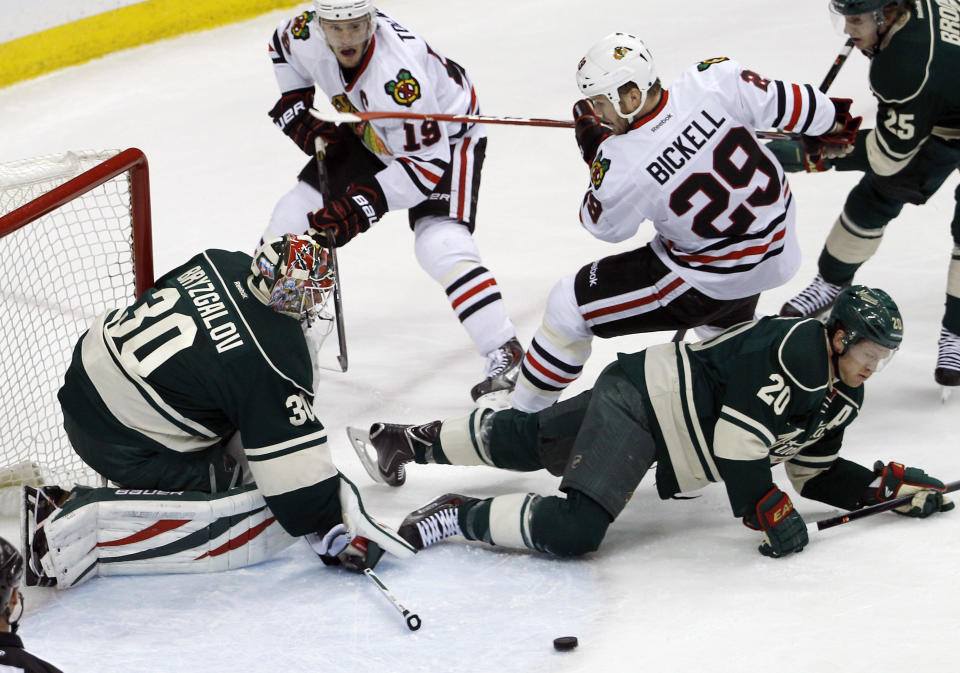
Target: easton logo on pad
[405,89]
[598,169]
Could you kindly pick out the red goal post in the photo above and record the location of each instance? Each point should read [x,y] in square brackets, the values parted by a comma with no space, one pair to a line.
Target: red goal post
[75,240]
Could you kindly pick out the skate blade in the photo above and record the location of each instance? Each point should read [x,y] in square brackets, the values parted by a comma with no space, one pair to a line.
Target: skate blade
[498,400]
[945,392]
[360,441]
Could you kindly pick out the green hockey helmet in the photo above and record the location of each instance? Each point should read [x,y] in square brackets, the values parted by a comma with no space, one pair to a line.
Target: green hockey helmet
[866,313]
[849,7]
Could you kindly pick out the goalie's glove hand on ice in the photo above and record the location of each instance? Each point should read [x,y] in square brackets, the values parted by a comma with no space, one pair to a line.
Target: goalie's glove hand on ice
[835,143]
[338,547]
[895,481]
[783,528]
[291,114]
[589,128]
[344,217]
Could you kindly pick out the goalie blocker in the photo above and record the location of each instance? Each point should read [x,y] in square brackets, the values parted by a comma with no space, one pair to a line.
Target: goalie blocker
[70,537]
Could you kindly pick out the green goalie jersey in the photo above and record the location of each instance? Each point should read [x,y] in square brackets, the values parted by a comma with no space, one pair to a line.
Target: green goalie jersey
[197,358]
[732,407]
[915,79]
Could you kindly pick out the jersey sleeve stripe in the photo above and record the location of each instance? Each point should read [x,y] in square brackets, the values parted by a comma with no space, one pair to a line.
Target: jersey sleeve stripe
[811,109]
[797,107]
[751,425]
[781,103]
[318,437]
[276,49]
[283,452]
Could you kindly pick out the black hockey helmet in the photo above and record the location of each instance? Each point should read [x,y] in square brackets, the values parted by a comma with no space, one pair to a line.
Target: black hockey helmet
[866,313]
[11,570]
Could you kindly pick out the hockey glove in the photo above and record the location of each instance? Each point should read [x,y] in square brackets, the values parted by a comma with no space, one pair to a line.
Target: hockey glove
[344,217]
[338,548]
[896,481]
[835,143]
[291,114]
[589,128]
[783,528]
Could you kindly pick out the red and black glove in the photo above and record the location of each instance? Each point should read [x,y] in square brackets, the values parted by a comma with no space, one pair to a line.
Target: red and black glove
[835,143]
[897,481]
[589,128]
[292,115]
[344,217]
[783,528]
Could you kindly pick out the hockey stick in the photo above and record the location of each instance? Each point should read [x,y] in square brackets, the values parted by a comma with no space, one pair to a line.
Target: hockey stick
[321,150]
[412,618]
[871,510]
[777,135]
[354,117]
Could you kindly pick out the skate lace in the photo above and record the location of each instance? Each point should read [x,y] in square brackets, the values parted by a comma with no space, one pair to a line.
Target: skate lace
[500,360]
[817,296]
[438,526]
[948,351]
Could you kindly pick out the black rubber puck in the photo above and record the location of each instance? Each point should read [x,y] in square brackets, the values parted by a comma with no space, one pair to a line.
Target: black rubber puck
[565,643]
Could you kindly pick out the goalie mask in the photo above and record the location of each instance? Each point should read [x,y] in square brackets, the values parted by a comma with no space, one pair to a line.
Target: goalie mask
[292,276]
[11,570]
[615,60]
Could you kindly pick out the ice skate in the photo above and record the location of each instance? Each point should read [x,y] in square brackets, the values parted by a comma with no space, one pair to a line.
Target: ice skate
[503,368]
[815,300]
[393,445]
[947,373]
[434,521]
[37,506]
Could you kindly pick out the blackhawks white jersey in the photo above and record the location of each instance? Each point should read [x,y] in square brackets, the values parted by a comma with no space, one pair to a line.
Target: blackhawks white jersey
[399,72]
[719,200]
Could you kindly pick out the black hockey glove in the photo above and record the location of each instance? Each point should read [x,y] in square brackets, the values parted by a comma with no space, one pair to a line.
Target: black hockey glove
[896,481]
[589,128]
[338,547]
[835,143]
[783,528]
[291,114]
[344,217]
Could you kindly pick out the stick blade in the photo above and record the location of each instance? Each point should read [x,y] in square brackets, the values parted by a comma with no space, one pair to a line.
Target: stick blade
[360,441]
[335,116]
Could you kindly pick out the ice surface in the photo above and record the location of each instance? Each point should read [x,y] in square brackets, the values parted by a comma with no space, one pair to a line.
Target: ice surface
[677,585]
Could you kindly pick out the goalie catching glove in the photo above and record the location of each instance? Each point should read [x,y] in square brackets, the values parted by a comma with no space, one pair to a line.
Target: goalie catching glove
[835,143]
[895,481]
[344,217]
[783,528]
[291,114]
[359,541]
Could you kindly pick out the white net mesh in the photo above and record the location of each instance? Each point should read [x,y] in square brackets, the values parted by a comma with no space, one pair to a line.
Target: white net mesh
[59,273]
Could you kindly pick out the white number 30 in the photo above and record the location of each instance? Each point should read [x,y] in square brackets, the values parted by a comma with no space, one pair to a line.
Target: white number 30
[300,410]
[777,394]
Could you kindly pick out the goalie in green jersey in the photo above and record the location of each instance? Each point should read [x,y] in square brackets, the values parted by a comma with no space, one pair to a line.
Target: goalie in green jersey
[197,401]
[727,409]
[914,52]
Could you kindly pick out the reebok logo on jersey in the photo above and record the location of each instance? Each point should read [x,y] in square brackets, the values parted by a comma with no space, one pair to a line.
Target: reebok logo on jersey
[598,169]
[405,89]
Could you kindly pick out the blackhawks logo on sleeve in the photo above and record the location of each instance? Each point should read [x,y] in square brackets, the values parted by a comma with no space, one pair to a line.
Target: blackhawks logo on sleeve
[598,169]
[300,27]
[405,89]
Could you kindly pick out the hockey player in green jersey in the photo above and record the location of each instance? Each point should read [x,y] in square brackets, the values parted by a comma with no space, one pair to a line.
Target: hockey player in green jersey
[205,380]
[777,390]
[914,47]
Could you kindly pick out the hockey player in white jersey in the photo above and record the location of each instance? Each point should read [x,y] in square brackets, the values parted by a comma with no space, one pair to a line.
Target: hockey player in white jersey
[685,158]
[364,60]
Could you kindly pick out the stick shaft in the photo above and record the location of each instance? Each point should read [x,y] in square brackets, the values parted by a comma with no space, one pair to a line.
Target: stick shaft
[412,619]
[321,151]
[837,64]
[873,509]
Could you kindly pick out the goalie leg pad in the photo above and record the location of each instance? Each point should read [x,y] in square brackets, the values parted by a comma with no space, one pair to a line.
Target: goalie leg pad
[110,531]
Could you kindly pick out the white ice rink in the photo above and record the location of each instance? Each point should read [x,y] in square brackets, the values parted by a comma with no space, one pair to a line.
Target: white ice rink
[677,585]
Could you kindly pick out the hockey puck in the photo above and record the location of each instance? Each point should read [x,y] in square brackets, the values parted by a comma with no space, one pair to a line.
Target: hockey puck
[565,643]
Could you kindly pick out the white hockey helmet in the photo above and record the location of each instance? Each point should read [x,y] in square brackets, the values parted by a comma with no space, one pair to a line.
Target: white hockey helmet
[344,10]
[612,62]
[292,275]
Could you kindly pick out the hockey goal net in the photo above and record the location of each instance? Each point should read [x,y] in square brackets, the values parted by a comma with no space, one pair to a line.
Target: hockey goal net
[75,241]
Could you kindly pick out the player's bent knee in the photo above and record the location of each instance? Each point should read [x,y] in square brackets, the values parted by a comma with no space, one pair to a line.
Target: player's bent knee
[442,244]
[571,526]
[563,312]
